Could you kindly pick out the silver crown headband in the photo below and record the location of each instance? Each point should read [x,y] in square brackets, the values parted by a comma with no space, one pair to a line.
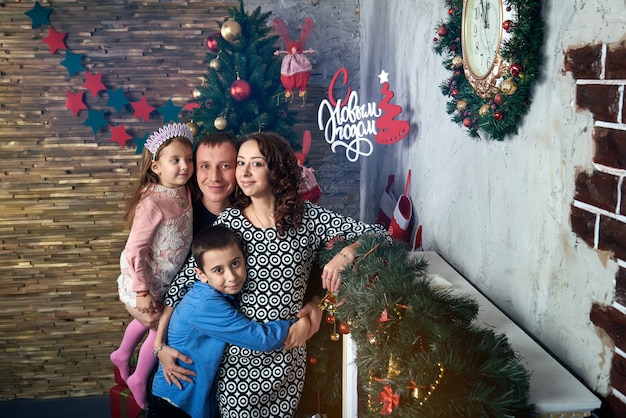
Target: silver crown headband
[167,132]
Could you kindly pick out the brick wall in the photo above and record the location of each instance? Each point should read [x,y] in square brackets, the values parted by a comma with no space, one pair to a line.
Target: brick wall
[62,187]
[598,212]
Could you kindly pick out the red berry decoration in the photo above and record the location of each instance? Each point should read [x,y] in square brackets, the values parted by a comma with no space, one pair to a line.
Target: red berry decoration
[497,115]
[467,122]
[211,41]
[451,11]
[507,25]
[344,328]
[498,99]
[240,90]
[330,319]
[442,31]
[313,360]
[515,69]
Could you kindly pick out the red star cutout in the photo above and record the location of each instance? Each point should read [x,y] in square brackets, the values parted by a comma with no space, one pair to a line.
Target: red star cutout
[119,135]
[94,83]
[142,109]
[75,102]
[55,40]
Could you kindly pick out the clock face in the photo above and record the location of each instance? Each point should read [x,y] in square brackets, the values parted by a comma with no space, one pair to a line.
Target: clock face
[482,35]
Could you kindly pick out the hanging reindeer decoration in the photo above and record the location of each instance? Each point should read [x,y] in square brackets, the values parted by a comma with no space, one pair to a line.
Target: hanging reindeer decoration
[295,69]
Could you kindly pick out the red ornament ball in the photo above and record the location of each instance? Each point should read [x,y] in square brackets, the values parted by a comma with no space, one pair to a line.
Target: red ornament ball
[330,319]
[240,90]
[211,41]
[467,122]
[442,31]
[451,11]
[507,25]
[497,115]
[313,360]
[515,69]
[498,99]
[344,328]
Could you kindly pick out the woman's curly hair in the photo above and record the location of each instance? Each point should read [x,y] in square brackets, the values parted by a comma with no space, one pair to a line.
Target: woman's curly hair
[285,177]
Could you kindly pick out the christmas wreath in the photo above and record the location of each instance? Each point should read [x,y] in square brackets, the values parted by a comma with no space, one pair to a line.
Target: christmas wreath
[499,113]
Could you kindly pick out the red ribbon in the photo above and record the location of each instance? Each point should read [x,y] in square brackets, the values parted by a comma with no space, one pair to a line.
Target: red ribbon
[388,399]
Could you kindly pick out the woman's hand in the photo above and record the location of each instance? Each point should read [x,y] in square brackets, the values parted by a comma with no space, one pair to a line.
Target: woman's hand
[173,372]
[297,334]
[331,273]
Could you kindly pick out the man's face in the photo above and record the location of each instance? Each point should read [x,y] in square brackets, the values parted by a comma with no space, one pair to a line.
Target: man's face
[215,172]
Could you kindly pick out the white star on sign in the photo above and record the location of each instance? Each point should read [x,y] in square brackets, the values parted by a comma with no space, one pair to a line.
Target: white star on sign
[384,77]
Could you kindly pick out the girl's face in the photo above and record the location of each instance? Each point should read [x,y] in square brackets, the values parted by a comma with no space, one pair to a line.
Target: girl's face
[224,269]
[252,171]
[175,164]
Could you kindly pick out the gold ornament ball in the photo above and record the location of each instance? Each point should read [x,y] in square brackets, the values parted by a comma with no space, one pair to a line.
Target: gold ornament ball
[231,30]
[457,61]
[484,110]
[215,64]
[220,123]
[508,86]
[194,128]
[461,105]
[334,336]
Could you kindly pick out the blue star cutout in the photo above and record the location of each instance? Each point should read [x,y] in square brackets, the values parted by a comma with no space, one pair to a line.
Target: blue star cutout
[117,99]
[141,142]
[170,112]
[95,120]
[39,15]
[72,63]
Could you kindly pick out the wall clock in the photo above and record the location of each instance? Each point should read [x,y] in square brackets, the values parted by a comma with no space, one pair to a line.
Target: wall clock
[493,49]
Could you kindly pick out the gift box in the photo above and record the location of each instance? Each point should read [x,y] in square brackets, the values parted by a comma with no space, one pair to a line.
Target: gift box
[123,403]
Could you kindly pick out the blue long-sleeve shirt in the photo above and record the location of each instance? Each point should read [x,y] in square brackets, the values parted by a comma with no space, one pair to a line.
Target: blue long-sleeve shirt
[202,324]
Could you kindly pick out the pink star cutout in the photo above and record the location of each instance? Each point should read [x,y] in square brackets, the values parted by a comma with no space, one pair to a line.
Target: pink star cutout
[55,40]
[94,83]
[75,102]
[119,135]
[142,109]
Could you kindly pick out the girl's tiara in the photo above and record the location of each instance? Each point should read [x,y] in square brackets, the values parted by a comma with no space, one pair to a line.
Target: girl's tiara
[168,131]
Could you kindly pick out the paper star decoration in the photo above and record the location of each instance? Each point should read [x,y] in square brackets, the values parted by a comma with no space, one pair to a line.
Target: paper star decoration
[39,15]
[55,40]
[72,63]
[94,83]
[95,120]
[141,142]
[75,102]
[384,77]
[170,112]
[120,135]
[142,109]
[117,99]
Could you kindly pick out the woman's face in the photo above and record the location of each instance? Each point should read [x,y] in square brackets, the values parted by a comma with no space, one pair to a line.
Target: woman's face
[252,171]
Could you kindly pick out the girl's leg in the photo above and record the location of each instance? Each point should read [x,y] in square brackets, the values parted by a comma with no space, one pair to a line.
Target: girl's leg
[132,337]
[138,381]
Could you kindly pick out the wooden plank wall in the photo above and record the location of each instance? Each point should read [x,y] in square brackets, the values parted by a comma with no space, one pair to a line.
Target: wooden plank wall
[62,188]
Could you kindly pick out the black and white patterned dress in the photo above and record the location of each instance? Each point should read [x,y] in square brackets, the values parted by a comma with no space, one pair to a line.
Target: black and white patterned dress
[258,384]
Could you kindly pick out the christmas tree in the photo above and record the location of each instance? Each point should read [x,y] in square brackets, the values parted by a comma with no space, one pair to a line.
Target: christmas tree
[418,351]
[242,90]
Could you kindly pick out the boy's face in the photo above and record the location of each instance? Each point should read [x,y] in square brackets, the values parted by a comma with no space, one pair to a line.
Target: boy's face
[224,270]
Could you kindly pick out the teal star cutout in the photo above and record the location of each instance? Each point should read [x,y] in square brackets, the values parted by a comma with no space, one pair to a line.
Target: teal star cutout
[39,15]
[72,63]
[117,99]
[170,112]
[95,120]
[141,142]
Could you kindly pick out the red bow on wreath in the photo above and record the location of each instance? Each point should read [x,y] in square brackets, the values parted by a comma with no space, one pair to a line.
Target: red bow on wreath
[388,399]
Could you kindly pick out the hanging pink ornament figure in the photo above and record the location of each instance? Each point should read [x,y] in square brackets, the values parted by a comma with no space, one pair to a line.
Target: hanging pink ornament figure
[295,69]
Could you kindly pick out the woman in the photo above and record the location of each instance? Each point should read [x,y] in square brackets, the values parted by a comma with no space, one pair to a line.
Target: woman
[282,235]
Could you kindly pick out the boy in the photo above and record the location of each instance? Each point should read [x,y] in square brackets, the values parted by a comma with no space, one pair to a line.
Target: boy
[206,320]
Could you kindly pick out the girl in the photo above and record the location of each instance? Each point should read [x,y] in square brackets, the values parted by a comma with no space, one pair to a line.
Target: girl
[282,234]
[160,214]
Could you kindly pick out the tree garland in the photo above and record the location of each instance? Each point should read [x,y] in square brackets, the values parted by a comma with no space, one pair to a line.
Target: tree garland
[499,114]
[419,352]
